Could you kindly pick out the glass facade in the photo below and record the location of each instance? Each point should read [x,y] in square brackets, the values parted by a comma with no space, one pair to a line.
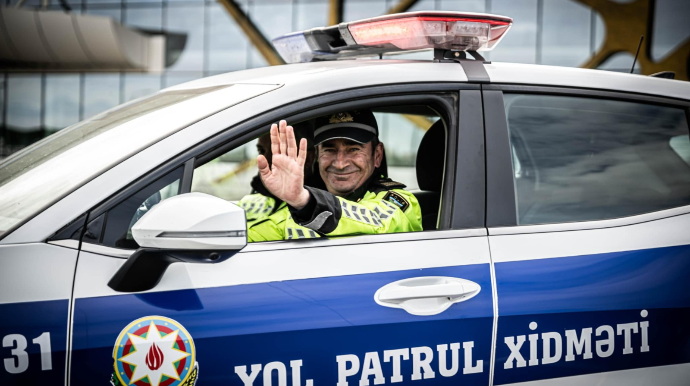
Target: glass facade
[35,104]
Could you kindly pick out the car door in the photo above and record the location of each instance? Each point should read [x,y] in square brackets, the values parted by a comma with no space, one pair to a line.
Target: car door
[587,229]
[299,312]
[35,289]
[42,215]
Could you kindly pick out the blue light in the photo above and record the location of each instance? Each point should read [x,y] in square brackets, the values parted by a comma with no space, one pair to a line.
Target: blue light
[294,48]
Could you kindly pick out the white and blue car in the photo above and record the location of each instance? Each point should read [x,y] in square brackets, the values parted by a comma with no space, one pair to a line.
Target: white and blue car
[555,250]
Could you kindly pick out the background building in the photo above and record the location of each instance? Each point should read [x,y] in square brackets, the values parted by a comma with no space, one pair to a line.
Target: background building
[37,100]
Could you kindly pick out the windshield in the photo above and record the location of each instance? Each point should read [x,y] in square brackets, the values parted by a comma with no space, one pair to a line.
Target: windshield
[39,175]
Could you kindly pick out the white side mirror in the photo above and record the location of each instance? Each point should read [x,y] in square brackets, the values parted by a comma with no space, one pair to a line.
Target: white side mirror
[189,228]
[193,221]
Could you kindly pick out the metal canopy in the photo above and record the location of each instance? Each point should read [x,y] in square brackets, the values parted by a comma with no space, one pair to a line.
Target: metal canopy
[55,40]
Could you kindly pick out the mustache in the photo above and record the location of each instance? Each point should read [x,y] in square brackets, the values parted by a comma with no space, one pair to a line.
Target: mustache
[349,169]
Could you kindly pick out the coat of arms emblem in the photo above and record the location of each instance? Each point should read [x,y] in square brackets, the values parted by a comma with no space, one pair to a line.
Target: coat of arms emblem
[154,351]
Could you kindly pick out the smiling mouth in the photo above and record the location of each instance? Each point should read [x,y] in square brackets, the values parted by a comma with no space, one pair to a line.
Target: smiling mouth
[342,174]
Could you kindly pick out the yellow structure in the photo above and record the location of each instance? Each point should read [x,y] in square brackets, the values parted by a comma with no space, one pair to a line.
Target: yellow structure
[625,23]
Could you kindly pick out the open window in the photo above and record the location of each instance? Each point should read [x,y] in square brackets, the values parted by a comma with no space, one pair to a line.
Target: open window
[414,138]
[418,136]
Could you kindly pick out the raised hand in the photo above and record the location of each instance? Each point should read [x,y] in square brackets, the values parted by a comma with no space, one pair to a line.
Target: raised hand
[285,177]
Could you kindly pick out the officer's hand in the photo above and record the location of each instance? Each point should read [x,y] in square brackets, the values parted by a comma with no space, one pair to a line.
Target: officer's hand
[285,177]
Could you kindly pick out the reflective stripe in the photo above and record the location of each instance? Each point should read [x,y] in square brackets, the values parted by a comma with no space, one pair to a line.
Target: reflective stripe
[345,210]
[364,214]
[391,208]
[377,222]
[300,233]
[380,213]
[366,219]
[354,213]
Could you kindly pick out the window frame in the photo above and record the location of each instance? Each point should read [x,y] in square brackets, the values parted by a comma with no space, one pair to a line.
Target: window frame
[501,195]
[426,93]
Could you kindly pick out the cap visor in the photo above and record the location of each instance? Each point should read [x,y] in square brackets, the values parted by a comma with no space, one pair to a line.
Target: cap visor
[356,135]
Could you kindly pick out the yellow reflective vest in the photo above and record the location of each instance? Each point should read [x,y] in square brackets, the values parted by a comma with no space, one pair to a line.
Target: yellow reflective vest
[378,210]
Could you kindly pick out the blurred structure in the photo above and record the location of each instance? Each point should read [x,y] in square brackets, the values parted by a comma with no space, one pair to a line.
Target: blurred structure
[54,40]
[47,84]
[624,20]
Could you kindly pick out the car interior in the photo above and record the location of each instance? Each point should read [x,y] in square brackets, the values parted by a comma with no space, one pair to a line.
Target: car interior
[414,137]
[415,142]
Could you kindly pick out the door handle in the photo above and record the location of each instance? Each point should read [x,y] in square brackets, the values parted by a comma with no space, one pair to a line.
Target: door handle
[428,295]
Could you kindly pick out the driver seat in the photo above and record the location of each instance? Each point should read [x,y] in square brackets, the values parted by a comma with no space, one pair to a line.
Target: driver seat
[430,166]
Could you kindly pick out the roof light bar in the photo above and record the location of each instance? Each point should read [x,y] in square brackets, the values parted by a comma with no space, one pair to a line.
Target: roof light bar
[393,33]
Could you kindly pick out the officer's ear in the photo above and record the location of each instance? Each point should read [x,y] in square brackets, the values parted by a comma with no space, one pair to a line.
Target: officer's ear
[378,154]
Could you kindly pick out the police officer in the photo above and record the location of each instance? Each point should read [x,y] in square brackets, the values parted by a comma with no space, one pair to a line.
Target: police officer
[356,199]
[261,203]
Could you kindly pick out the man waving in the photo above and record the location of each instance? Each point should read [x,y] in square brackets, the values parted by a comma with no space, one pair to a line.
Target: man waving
[357,199]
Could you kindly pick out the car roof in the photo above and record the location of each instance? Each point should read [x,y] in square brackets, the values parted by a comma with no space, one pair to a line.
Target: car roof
[358,73]
[532,74]
[353,73]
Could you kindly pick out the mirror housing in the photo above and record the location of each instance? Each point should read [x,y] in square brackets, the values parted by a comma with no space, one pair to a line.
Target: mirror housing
[193,221]
[191,228]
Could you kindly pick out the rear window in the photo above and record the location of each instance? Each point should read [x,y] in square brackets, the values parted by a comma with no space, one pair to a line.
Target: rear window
[581,159]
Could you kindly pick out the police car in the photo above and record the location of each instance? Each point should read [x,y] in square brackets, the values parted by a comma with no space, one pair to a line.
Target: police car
[555,249]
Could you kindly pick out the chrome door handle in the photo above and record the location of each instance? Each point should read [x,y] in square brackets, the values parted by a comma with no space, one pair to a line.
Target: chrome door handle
[428,295]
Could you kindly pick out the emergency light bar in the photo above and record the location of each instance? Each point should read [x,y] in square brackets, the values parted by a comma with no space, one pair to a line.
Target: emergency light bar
[453,31]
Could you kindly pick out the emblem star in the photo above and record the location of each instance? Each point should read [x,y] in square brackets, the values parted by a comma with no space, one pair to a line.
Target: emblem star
[142,346]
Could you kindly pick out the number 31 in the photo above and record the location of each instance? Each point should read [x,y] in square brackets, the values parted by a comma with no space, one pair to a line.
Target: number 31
[18,344]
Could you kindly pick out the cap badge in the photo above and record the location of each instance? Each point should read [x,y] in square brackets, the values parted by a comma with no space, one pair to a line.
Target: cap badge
[341,118]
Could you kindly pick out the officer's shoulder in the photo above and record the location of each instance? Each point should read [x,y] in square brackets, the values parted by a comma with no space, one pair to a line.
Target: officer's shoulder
[399,198]
[388,184]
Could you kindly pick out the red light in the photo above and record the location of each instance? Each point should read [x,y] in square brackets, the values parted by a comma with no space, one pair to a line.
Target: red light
[427,31]
[492,22]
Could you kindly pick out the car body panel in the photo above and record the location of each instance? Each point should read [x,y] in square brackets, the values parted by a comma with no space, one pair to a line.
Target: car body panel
[671,375]
[589,279]
[339,75]
[513,73]
[298,303]
[35,292]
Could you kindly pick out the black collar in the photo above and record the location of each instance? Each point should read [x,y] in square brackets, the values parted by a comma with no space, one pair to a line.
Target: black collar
[358,193]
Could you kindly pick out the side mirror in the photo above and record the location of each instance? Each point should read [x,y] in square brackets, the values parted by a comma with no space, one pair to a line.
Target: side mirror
[190,228]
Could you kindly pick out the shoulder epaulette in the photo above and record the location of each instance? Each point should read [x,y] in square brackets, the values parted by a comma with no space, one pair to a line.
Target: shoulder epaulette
[389,184]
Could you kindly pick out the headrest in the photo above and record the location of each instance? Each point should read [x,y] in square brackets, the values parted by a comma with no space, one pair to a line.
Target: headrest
[430,158]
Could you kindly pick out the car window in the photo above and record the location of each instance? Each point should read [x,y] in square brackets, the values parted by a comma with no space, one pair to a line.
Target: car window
[42,173]
[580,159]
[230,175]
[402,135]
[120,219]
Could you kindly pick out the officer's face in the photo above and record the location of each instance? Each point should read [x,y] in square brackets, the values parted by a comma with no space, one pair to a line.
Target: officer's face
[345,165]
